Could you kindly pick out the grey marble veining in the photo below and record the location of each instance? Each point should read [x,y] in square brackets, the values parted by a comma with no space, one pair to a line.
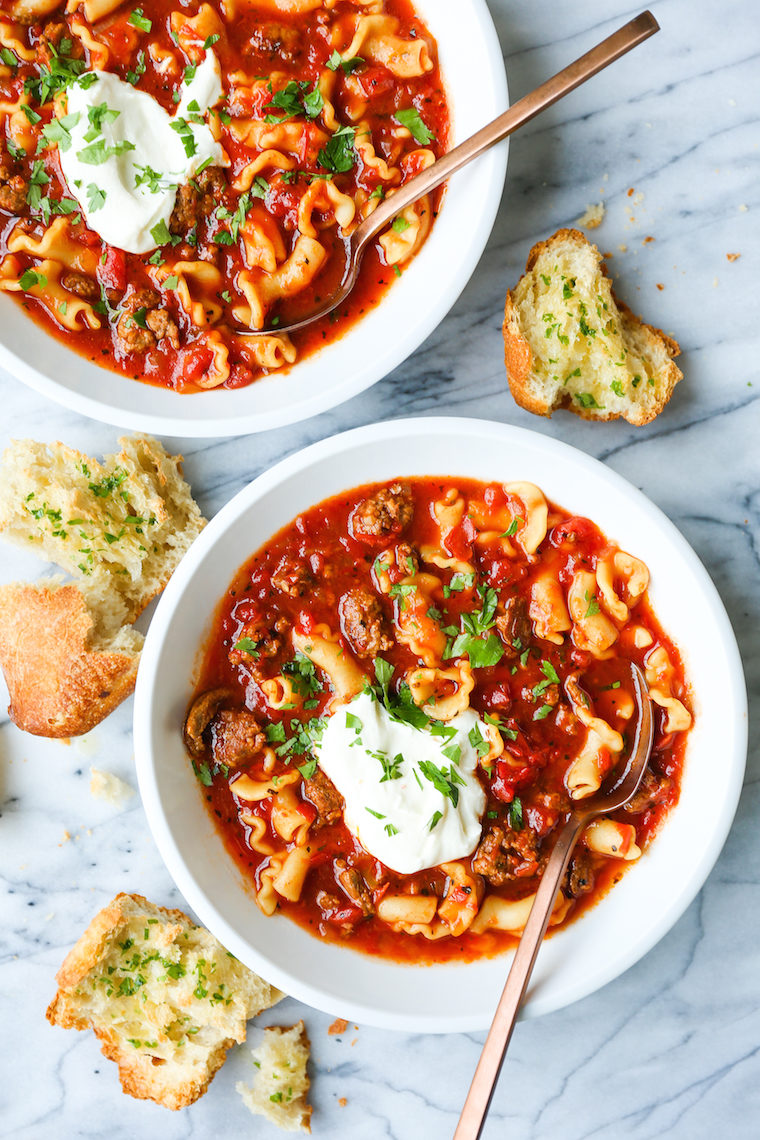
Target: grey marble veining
[672,1047]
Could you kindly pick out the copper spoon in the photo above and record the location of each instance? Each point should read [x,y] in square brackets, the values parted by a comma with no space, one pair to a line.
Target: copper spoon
[624,785]
[601,56]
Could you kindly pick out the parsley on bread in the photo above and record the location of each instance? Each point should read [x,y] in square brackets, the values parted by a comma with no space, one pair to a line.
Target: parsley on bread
[163,996]
[569,343]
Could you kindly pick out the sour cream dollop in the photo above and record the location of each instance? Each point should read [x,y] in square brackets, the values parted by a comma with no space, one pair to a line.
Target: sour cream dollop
[123,213]
[383,770]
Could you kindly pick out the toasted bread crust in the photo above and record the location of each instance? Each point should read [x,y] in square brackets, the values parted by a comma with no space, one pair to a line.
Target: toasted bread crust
[141,1075]
[59,686]
[519,357]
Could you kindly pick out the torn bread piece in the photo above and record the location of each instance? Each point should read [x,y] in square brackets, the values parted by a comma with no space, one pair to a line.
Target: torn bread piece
[120,528]
[569,343]
[163,996]
[281,1083]
[64,668]
[106,786]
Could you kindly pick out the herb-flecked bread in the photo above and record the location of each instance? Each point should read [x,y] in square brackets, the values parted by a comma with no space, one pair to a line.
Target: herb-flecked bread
[281,1084]
[163,996]
[119,528]
[569,343]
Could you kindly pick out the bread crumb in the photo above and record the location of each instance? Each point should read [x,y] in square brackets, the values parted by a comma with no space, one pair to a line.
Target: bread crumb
[660,286]
[639,198]
[354,1041]
[743,208]
[605,177]
[340,1025]
[593,217]
[342,1102]
[623,248]
[715,283]
[106,786]
[281,1084]
[65,839]
[630,192]
[647,239]
[733,256]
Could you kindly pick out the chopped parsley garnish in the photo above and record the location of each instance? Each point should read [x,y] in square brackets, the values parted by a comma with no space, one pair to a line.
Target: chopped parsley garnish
[160,233]
[444,780]
[99,152]
[593,605]
[337,155]
[513,527]
[30,277]
[308,769]
[133,76]
[400,225]
[543,712]
[58,131]
[210,41]
[295,98]
[458,583]
[550,678]
[249,646]
[138,20]
[96,198]
[516,814]
[55,76]
[434,820]
[391,768]
[478,741]
[390,830]
[172,281]
[587,400]
[303,675]
[410,118]
[348,65]
[184,130]
[482,652]
[376,814]
[617,388]
[203,772]
[147,176]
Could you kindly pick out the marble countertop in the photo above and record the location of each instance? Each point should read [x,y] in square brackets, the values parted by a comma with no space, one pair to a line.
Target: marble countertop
[668,140]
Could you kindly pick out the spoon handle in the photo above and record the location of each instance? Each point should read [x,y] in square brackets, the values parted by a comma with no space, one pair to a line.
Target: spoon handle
[601,56]
[483,1084]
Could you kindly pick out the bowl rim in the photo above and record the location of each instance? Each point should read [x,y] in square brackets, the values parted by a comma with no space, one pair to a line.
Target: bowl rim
[390,351]
[255,491]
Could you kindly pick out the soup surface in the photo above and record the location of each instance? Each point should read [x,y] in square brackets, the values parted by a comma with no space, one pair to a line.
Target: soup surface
[174,172]
[403,694]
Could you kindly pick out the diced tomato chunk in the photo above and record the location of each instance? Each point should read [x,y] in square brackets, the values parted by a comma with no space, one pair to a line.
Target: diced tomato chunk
[375,80]
[195,361]
[240,377]
[112,272]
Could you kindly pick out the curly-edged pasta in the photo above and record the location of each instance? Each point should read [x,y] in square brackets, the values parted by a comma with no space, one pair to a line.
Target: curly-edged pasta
[608,837]
[442,693]
[324,648]
[633,576]
[547,608]
[592,629]
[502,914]
[532,532]
[375,39]
[415,626]
[660,674]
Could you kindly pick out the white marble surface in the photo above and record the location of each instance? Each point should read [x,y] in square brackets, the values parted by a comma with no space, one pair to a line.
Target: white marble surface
[671,1048]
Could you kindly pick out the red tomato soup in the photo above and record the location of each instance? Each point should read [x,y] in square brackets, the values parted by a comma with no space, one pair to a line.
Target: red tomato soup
[430,601]
[300,123]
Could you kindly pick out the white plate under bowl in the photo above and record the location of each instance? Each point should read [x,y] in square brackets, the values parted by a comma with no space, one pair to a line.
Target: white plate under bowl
[577,959]
[473,71]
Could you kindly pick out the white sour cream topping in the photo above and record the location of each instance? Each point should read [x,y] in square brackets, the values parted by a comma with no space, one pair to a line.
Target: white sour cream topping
[128,213]
[403,838]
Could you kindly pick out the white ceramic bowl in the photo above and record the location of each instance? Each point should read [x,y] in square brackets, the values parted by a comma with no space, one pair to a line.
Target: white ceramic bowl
[605,940]
[473,70]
